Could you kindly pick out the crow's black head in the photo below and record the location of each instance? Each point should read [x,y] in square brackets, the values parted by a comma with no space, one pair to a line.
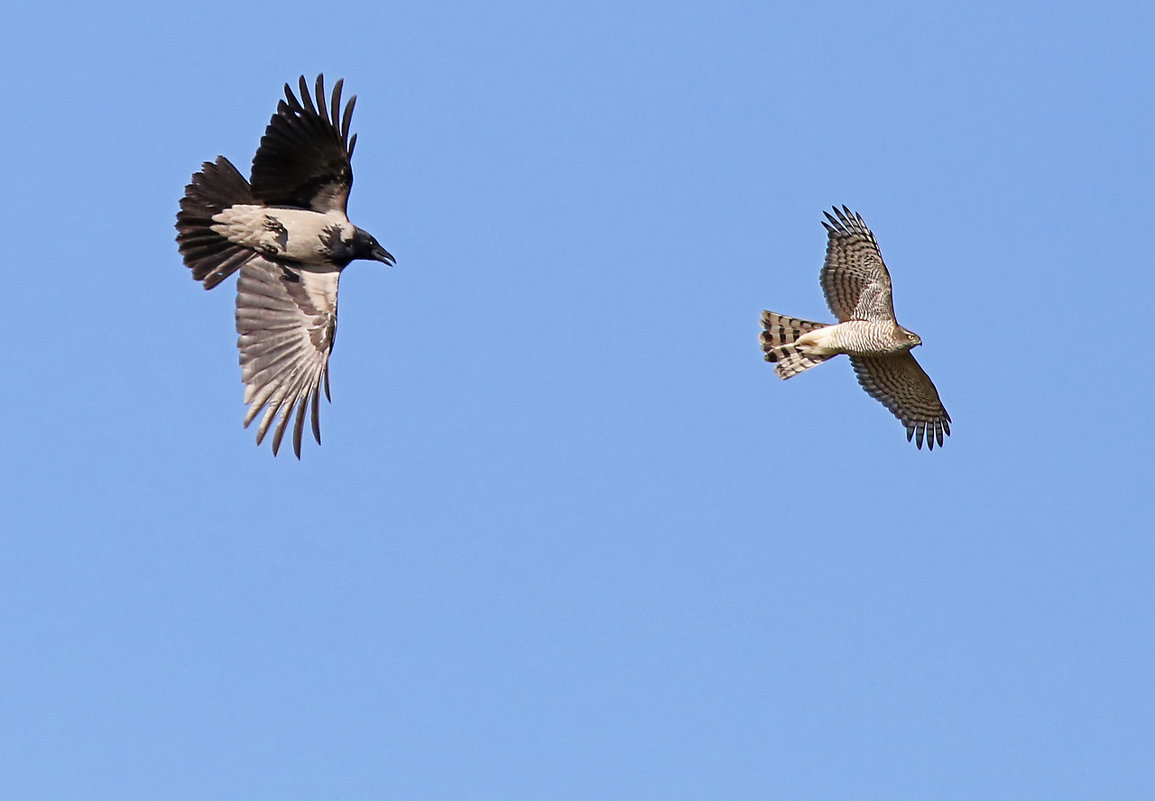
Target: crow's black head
[366,247]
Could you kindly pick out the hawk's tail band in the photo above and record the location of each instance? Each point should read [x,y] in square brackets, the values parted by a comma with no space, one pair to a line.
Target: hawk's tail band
[778,337]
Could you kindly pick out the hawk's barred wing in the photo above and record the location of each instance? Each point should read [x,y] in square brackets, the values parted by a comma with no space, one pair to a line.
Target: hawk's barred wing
[303,160]
[854,277]
[904,387]
[286,322]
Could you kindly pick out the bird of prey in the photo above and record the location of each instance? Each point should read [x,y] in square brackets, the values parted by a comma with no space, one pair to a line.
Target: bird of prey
[857,288]
[287,232]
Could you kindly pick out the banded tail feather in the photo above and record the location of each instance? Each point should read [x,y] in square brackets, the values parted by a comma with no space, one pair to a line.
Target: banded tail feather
[212,257]
[778,337]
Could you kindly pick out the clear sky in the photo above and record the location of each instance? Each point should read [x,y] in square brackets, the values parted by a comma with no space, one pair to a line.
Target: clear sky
[568,536]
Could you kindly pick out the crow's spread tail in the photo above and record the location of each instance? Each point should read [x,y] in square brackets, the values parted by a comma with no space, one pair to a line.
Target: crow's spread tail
[210,256]
[778,337]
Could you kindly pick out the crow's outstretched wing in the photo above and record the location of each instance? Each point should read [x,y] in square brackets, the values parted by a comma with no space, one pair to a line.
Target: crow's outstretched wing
[286,322]
[304,157]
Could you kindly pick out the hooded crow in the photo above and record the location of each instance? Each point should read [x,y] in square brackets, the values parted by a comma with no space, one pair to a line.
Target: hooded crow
[288,234]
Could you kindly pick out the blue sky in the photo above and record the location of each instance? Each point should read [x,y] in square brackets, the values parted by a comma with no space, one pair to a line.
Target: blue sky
[568,536]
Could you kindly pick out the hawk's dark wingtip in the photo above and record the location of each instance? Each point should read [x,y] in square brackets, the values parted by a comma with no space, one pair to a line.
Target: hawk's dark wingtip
[935,433]
[839,220]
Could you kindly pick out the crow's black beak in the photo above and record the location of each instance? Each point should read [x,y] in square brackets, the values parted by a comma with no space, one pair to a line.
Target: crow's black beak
[382,255]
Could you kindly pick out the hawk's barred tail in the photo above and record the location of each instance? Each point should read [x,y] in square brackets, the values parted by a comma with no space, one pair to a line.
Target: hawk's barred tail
[215,188]
[778,337]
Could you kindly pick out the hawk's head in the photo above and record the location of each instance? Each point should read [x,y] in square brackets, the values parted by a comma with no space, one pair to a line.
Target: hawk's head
[911,337]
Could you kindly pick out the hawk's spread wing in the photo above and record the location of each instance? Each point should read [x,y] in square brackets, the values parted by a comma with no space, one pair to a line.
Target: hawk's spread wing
[303,160]
[854,277]
[286,321]
[904,387]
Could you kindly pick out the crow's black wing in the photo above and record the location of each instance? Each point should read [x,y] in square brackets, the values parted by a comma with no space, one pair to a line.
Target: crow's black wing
[303,160]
